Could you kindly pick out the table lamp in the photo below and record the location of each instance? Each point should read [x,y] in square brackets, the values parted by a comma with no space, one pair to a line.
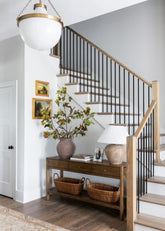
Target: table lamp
[115,137]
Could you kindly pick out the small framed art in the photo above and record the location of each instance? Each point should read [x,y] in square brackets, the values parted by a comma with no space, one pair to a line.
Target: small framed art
[98,155]
[41,88]
[38,105]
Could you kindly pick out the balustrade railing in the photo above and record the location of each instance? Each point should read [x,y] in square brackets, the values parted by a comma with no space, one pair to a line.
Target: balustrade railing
[123,94]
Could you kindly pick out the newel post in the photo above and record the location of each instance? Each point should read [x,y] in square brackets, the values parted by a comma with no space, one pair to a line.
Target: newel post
[131,182]
[156,97]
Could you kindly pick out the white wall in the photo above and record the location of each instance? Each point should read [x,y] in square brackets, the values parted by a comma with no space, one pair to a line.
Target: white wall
[135,36]
[12,68]
[38,66]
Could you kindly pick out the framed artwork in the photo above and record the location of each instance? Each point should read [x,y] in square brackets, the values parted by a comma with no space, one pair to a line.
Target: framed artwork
[38,105]
[41,88]
[98,155]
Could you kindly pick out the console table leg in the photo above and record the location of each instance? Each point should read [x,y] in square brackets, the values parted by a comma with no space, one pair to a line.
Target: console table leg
[121,193]
[47,184]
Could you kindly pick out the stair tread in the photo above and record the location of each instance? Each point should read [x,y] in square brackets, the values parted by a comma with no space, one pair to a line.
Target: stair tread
[55,56]
[153,198]
[78,77]
[117,113]
[83,84]
[157,179]
[117,104]
[162,163]
[162,147]
[162,134]
[70,69]
[150,221]
[124,124]
[94,93]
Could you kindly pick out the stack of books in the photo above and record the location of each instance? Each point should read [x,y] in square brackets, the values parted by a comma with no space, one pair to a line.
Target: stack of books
[82,157]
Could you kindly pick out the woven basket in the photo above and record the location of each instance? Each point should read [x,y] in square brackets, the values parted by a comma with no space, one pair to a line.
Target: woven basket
[103,192]
[68,185]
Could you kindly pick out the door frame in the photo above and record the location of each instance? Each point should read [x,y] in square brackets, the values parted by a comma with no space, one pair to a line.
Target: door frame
[14,84]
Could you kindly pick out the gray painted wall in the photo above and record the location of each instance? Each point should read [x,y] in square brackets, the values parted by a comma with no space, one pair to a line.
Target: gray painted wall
[136,37]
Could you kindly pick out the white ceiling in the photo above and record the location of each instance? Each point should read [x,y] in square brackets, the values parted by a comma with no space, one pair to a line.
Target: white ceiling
[71,11]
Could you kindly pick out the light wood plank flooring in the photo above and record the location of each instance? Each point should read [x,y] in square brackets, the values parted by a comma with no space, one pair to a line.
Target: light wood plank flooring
[69,214]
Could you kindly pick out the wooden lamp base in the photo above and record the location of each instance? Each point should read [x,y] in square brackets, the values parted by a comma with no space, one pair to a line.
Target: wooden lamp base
[115,153]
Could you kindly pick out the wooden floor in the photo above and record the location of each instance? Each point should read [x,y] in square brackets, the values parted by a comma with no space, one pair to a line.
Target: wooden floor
[69,214]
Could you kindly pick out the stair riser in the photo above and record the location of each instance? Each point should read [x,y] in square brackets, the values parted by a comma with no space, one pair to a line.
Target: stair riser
[99,108]
[162,139]
[155,188]
[159,171]
[75,73]
[162,155]
[104,120]
[152,209]
[143,228]
[67,79]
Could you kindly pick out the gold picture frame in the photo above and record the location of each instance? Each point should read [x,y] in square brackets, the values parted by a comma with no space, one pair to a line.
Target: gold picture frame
[38,105]
[41,88]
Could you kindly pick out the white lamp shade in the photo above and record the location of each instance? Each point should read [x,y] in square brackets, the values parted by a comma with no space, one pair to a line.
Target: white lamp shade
[113,135]
[41,33]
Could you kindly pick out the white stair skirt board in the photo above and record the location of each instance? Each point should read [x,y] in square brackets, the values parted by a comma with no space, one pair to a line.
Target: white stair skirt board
[152,209]
[156,188]
[144,228]
[159,170]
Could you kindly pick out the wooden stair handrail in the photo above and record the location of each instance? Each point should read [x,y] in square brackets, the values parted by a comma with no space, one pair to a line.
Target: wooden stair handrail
[145,119]
[105,53]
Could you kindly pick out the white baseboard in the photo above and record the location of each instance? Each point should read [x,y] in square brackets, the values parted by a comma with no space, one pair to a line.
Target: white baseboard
[19,196]
[143,228]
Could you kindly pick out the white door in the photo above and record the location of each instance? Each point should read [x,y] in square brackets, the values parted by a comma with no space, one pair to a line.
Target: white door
[7,137]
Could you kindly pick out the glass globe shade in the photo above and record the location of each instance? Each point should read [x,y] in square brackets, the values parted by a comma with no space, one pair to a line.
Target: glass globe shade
[39,30]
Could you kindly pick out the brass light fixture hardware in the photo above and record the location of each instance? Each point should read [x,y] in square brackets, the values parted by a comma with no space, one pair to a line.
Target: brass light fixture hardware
[40,30]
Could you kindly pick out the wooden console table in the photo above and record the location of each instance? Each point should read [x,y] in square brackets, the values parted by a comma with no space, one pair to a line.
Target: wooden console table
[104,169]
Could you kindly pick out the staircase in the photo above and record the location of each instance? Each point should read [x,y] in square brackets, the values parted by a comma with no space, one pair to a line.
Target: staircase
[122,98]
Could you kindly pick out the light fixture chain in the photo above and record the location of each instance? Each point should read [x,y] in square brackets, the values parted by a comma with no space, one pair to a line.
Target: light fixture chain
[24,8]
[54,8]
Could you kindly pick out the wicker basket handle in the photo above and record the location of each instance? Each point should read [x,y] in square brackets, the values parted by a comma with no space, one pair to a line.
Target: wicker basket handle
[56,174]
[88,181]
[83,180]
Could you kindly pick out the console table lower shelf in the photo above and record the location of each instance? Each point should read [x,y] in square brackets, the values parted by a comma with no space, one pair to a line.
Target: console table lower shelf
[85,198]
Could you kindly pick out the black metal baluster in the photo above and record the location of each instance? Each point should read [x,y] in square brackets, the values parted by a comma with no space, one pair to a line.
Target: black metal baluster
[119,98]
[153,150]
[74,56]
[66,50]
[102,82]
[99,76]
[107,83]
[129,102]
[115,88]
[80,65]
[91,73]
[70,54]
[95,75]
[111,91]
[87,69]
[83,65]
[124,94]
[133,104]
[143,141]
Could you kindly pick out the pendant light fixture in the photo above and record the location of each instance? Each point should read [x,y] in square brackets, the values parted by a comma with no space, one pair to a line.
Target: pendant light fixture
[39,30]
